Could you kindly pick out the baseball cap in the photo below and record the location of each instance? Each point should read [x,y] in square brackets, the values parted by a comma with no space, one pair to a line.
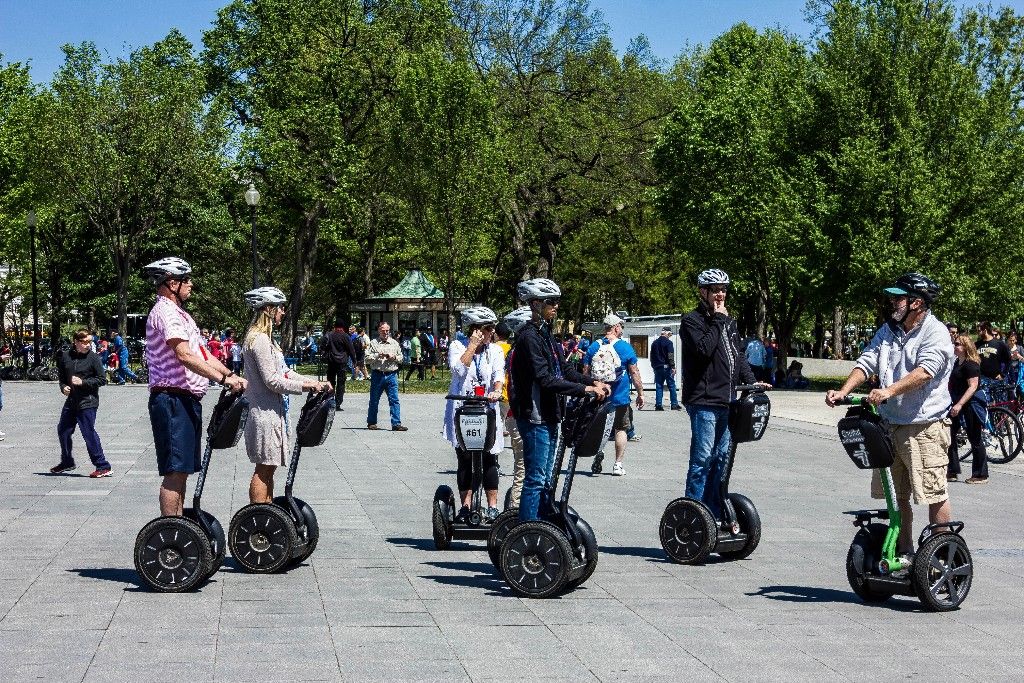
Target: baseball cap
[612,319]
[666,329]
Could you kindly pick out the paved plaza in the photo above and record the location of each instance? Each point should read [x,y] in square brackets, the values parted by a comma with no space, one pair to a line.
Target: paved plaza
[377,602]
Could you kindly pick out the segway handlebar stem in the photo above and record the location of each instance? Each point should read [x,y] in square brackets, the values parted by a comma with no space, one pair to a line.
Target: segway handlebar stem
[751,387]
[468,399]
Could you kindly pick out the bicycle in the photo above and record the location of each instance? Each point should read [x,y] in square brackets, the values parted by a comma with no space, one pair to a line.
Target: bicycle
[1002,435]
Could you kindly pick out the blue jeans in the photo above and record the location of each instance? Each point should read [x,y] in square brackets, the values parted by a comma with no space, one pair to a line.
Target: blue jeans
[86,421]
[709,455]
[663,376]
[124,373]
[539,443]
[379,383]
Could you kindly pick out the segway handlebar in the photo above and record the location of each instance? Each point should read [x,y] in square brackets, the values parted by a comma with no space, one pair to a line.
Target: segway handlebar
[855,401]
[468,399]
[751,387]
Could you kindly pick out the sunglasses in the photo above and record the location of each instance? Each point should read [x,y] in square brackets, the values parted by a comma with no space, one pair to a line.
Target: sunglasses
[957,344]
[718,290]
[550,302]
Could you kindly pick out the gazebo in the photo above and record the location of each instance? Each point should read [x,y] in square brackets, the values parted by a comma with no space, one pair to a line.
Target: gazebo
[413,303]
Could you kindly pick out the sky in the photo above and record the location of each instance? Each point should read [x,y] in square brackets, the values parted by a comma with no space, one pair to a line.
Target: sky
[33,30]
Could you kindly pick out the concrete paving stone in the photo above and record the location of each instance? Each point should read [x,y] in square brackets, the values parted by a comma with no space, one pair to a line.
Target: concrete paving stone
[414,642]
[403,670]
[58,669]
[547,668]
[625,669]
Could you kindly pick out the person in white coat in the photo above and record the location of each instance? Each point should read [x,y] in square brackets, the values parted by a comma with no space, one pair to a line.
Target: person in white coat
[475,362]
[266,430]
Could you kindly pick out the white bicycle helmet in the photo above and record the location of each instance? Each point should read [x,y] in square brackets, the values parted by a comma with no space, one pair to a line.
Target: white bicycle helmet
[165,269]
[537,288]
[712,277]
[518,318]
[478,315]
[264,296]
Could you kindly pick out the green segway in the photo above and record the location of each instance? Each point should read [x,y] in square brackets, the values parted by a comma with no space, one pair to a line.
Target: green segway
[941,571]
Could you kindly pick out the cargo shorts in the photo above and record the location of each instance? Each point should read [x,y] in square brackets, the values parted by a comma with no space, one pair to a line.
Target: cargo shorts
[919,468]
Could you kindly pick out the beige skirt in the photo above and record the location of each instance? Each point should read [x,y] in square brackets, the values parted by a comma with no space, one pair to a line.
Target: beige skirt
[266,442]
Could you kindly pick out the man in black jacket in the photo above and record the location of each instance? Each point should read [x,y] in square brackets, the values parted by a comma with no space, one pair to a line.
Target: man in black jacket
[81,376]
[712,365]
[539,375]
[338,351]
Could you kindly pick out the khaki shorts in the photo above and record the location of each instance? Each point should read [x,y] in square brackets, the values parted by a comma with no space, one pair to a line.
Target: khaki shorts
[920,464]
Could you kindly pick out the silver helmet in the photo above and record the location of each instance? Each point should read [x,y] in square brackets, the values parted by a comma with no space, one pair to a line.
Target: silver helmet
[537,288]
[264,296]
[712,277]
[518,318]
[478,315]
[167,268]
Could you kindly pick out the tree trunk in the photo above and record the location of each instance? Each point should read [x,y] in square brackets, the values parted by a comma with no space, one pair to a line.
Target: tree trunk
[760,316]
[837,333]
[92,319]
[819,335]
[122,263]
[306,242]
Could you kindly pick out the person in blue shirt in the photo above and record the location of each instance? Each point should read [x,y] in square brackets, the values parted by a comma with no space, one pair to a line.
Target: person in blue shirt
[663,362]
[119,348]
[757,358]
[629,377]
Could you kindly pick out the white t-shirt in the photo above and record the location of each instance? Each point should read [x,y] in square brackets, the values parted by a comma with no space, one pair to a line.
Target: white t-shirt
[486,369]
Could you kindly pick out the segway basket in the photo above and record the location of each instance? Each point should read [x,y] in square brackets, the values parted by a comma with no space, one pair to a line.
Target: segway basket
[864,435]
[228,420]
[748,416]
[475,425]
[315,420]
[587,426]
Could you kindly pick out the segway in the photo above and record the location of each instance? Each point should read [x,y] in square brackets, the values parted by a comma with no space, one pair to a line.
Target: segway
[688,531]
[941,572]
[475,429]
[559,551]
[268,537]
[176,554]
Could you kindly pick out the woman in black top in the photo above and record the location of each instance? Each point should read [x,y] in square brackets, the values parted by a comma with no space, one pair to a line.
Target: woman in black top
[81,376]
[969,404]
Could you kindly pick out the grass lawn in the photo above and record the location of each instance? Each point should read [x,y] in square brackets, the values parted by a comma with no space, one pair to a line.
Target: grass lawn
[413,386]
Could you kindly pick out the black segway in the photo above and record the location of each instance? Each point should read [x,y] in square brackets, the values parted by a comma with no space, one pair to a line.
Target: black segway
[559,551]
[475,429]
[688,531]
[942,570]
[269,537]
[175,554]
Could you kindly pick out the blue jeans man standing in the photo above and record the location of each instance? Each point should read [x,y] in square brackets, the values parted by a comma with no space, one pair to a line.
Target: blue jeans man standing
[384,382]
[709,455]
[665,375]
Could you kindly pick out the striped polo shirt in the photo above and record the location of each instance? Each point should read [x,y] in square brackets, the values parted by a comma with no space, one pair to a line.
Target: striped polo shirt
[168,321]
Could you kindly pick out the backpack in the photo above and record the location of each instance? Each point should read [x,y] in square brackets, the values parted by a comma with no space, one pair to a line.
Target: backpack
[606,366]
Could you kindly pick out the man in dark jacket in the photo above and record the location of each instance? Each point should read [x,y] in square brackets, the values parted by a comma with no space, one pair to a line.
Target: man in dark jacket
[712,365]
[81,376]
[663,362]
[539,375]
[338,350]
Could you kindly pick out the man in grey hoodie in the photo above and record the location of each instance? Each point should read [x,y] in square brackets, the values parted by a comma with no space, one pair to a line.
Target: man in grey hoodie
[913,357]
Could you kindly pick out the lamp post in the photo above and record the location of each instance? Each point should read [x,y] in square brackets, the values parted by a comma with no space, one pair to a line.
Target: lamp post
[31,220]
[630,286]
[252,198]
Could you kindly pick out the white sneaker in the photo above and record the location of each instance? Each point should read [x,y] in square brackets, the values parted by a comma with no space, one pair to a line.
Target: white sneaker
[3,435]
[617,469]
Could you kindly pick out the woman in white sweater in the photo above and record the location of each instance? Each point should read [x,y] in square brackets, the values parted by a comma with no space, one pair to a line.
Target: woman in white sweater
[266,431]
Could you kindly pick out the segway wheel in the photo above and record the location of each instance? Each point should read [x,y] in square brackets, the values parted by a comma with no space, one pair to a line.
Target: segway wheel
[500,527]
[942,572]
[688,531]
[16,374]
[862,561]
[590,552]
[310,536]
[172,555]
[262,538]
[218,544]
[53,374]
[750,524]
[536,560]
[508,499]
[442,517]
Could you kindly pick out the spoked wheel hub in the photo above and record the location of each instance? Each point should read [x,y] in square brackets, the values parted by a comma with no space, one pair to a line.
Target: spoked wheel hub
[536,559]
[943,571]
[259,542]
[688,531]
[170,558]
[173,554]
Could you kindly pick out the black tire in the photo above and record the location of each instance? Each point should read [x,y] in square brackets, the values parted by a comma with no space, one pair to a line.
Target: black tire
[33,373]
[16,374]
[508,499]
[1006,433]
[218,543]
[750,524]
[862,561]
[500,527]
[310,537]
[536,560]
[262,538]
[590,550]
[53,374]
[687,531]
[172,555]
[942,572]
[443,517]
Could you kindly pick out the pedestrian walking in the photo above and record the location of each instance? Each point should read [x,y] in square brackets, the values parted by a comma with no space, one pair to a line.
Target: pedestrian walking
[415,358]
[180,371]
[663,362]
[994,354]
[428,352]
[338,352]
[358,354]
[124,372]
[235,353]
[757,358]
[270,381]
[81,375]
[382,355]
[968,411]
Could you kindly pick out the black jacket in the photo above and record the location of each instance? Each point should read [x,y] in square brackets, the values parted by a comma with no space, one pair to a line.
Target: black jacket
[86,366]
[538,373]
[662,353]
[337,347]
[712,361]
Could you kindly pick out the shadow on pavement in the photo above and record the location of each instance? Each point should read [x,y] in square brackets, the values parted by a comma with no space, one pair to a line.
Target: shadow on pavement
[818,594]
[484,576]
[60,474]
[115,574]
[652,554]
[428,544]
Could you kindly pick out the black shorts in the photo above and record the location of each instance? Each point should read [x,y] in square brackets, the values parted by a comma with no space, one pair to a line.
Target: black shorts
[177,432]
[622,422]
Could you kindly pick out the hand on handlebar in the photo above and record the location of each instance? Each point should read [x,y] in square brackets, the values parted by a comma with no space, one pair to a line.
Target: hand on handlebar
[833,398]
[878,396]
[602,390]
[494,396]
[235,383]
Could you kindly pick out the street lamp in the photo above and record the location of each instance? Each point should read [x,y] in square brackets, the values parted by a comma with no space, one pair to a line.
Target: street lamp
[630,286]
[31,221]
[252,198]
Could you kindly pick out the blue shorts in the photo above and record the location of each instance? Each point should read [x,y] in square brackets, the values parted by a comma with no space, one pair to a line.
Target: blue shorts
[177,432]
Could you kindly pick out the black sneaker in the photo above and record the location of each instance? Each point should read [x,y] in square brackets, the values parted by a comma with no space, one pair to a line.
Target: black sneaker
[62,468]
[596,466]
[677,407]
[463,516]
[660,409]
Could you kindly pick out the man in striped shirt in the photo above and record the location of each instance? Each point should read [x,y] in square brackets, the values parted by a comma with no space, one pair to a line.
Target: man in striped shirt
[180,368]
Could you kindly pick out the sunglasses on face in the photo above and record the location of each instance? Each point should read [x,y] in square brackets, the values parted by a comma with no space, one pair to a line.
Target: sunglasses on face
[718,290]
[550,302]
